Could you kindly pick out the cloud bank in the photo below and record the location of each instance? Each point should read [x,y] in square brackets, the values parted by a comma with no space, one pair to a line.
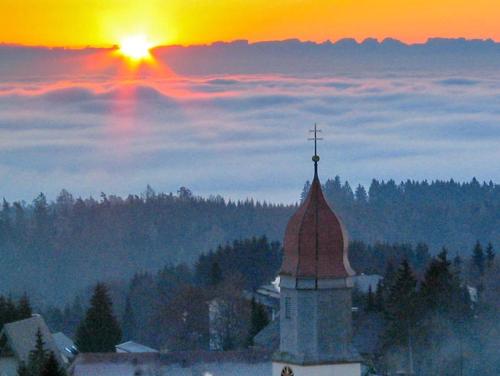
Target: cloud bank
[239,135]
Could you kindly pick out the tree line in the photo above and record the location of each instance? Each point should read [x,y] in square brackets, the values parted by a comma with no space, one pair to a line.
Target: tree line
[57,240]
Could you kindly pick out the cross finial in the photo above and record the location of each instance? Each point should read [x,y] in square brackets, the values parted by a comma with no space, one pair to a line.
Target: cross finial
[315,157]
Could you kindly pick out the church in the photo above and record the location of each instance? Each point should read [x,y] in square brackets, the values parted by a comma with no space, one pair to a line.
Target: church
[315,319]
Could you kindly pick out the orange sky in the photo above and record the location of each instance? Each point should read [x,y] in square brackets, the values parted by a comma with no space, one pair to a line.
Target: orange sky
[101,23]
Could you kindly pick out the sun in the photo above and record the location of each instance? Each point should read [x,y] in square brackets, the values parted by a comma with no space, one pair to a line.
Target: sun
[136,47]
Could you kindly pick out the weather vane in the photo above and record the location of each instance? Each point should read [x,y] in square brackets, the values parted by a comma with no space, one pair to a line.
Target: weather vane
[315,157]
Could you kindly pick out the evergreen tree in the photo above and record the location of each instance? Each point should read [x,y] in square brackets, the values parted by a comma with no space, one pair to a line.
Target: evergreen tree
[5,225]
[370,300]
[490,256]
[478,259]
[51,367]
[457,265]
[215,274]
[8,311]
[259,320]
[446,316]
[400,305]
[440,286]
[37,356]
[379,297]
[305,190]
[24,308]
[23,370]
[361,196]
[41,221]
[99,331]
[390,275]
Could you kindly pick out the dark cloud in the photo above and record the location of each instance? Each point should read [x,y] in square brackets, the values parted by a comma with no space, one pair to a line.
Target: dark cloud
[458,82]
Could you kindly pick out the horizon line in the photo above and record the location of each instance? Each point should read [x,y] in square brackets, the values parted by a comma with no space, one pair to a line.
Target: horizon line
[358,41]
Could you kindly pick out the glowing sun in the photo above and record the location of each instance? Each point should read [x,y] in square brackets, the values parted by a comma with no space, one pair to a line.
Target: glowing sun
[136,48]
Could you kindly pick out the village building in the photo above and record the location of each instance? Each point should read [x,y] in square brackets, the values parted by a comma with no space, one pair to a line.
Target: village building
[18,339]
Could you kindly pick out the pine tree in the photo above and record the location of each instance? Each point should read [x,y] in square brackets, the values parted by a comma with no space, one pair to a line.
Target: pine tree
[440,286]
[38,355]
[390,274]
[24,308]
[361,196]
[457,265]
[305,191]
[379,297]
[446,315]
[400,306]
[8,312]
[99,331]
[215,274]
[370,300]
[23,370]
[490,256]
[5,214]
[51,367]
[478,259]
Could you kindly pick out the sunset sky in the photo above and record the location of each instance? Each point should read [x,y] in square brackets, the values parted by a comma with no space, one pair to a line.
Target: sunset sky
[104,23]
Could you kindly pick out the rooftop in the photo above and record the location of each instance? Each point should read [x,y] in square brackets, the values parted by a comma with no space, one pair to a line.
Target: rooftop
[316,241]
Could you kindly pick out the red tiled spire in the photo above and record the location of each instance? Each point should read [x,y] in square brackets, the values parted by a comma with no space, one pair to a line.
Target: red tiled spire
[316,242]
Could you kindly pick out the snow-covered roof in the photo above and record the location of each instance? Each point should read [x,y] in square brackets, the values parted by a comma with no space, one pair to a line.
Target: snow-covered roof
[65,345]
[133,347]
[271,290]
[21,337]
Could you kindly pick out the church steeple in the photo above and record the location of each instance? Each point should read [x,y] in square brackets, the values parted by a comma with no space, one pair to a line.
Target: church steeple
[316,241]
[315,291]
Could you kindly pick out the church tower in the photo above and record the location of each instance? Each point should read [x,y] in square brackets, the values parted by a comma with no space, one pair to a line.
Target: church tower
[315,299]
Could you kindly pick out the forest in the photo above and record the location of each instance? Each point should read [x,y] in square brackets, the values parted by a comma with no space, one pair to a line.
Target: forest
[71,242]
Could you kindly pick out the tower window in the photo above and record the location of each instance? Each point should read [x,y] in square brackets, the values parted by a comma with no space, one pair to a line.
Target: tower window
[288,307]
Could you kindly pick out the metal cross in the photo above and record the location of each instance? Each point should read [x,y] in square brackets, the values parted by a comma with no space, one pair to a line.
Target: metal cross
[315,157]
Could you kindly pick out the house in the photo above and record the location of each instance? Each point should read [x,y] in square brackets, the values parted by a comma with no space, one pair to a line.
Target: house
[133,347]
[18,339]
